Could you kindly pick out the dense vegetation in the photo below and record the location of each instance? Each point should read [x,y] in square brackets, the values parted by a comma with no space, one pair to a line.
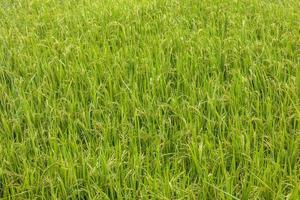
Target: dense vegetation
[140,99]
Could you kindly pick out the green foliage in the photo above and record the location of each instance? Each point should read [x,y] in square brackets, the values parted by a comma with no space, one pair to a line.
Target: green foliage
[140,99]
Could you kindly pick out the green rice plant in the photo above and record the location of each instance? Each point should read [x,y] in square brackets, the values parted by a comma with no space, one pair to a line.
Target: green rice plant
[139,99]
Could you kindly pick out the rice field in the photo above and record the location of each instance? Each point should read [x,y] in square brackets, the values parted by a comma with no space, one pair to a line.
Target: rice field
[140,99]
